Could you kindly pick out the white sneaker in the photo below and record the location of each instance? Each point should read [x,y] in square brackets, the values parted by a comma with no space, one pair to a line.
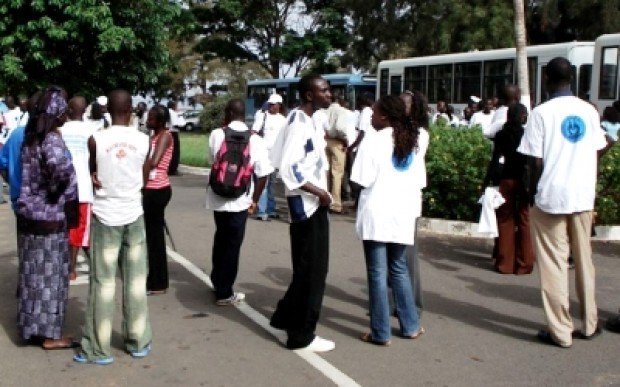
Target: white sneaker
[320,344]
[232,300]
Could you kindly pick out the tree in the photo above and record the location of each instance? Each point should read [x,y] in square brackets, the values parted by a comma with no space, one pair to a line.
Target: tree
[386,29]
[283,36]
[521,44]
[554,21]
[89,47]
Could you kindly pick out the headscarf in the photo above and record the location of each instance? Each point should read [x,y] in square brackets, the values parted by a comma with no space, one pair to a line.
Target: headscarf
[47,115]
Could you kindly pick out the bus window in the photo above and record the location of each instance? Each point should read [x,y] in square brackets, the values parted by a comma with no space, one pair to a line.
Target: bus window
[497,74]
[260,94]
[585,77]
[396,85]
[532,69]
[440,83]
[384,82]
[609,73]
[466,81]
[415,79]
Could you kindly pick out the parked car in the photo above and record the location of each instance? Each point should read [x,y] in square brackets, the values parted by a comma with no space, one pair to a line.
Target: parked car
[192,119]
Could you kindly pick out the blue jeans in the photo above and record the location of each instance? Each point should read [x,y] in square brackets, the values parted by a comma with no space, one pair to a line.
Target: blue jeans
[267,202]
[383,259]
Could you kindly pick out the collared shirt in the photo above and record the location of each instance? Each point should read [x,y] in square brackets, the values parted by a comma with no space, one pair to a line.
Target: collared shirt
[300,155]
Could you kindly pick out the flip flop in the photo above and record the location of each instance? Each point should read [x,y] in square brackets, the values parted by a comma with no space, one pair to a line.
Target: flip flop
[367,338]
[416,334]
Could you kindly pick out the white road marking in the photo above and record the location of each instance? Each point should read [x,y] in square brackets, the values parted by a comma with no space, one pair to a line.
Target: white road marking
[331,372]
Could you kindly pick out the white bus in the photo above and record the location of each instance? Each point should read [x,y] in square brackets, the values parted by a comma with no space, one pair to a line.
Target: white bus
[455,77]
[606,71]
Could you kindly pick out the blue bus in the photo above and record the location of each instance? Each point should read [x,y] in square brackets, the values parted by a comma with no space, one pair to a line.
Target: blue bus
[348,86]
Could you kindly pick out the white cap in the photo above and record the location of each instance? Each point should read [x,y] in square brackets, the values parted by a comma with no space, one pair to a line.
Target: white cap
[475,99]
[102,100]
[274,98]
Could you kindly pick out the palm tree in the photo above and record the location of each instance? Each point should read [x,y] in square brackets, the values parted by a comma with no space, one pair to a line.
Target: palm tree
[521,44]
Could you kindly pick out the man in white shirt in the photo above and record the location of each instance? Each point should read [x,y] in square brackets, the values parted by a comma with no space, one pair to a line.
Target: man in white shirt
[337,138]
[231,214]
[510,94]
[75,133]
[176,122]
[484,116]
[301,159]
[563,139]
[268,125]
[119,168]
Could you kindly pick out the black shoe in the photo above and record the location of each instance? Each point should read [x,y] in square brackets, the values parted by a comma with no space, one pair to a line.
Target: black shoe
[613,324]
[274,216]
[579,335]
[545,337]
[571,263]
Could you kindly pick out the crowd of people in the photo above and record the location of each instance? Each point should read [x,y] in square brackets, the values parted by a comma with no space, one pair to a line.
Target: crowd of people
[93,180]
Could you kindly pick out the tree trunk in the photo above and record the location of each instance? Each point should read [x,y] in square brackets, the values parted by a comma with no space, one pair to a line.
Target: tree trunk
[521,44]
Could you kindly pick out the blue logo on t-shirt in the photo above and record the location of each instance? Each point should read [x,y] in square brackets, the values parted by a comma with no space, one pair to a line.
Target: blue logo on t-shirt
[402,165]
[573,129]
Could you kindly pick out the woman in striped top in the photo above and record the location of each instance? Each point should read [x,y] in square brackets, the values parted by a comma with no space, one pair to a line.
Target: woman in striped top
[156,196]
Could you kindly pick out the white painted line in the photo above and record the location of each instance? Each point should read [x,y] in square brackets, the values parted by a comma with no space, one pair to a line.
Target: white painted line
[331,372]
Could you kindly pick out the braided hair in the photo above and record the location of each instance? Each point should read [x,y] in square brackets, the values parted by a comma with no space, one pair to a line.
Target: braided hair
[405,134]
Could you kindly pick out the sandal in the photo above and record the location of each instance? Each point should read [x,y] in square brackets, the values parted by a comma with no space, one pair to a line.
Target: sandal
[367,338]
[416,334]
[155,292]
[62,343]
[82,359]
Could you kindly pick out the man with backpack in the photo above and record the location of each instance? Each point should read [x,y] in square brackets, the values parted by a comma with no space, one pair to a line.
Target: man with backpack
[236,153]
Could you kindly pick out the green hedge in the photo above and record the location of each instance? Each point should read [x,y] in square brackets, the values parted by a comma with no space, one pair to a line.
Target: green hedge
[456,163]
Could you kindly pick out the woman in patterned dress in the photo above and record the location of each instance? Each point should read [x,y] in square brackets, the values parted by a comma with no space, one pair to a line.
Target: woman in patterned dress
[48,189]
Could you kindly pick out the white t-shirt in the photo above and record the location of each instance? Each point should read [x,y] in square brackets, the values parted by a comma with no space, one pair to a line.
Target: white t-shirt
[389,203]
[176,121]
[365,123]
[565,132]
[420,168]
[121,153]
[484,120]
[273,125]
[75,135]
[299,153]
[259,158]
[497,123]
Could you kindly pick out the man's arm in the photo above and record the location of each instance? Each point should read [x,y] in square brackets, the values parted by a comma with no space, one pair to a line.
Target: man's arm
[533,171]
[92,162]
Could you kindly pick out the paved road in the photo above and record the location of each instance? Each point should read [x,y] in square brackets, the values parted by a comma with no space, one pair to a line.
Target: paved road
[480,325]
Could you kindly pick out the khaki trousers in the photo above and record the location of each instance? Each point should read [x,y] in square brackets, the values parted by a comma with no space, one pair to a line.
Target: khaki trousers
[555,237]
[337,157]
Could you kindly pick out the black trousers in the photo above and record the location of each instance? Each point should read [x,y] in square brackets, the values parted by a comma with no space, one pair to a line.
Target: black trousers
[298,312]
[176,154]
[229,233]
[154,202]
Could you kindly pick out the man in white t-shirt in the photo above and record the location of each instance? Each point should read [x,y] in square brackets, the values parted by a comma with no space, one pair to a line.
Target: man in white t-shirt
[510,94]
[118,165]
[301,159]
[484,116]
[562,139]
[175,125]
[231,214]
[268,125]
[75,133]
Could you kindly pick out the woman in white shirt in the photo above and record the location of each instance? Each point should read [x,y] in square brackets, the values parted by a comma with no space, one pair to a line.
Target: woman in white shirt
[387,169]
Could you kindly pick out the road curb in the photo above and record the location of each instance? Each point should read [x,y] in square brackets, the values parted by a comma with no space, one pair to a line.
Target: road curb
[451,227]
